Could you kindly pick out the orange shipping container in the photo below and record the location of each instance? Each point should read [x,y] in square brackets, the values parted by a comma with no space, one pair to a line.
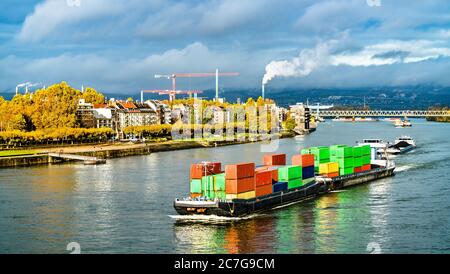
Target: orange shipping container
[239,171]
[357,169]
[195,195]
[263,178]
[263,190]
[236,186]
[275,175]
[303,160]
[332,175]
[274,159]
[200,170]
[365,167]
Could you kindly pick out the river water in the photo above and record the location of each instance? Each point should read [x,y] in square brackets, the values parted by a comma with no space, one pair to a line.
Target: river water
[124,205]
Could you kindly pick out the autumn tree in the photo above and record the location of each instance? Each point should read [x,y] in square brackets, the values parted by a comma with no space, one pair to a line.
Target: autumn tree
[90,95]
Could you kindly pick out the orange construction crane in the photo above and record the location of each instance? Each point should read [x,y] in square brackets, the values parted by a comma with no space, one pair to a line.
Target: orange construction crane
[171,93]
[174,76]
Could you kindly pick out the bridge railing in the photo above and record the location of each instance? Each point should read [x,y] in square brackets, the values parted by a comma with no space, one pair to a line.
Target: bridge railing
[384,113]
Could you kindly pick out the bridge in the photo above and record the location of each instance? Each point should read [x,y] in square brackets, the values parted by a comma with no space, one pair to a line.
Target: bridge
[384,113]
[86,159]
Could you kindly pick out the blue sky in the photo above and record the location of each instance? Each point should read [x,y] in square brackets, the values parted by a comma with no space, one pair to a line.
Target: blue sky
[118,45]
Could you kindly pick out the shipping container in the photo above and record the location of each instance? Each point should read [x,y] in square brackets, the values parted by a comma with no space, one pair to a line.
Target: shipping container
[343,162]
[366,167]
[263,178]
[309,180]
[305,151]
[332,175]
[357,169]
[280,186]
[263,190]
[307,172]
[365,159]
[195,195]
[303,160]
[236,186]
[342,152]
[357,152]
[237,171]
[320,152]
[346,171]
[327,168]
[203,169]
[244,195]
[287,173]
[293,183]
[196,186]
[357,162]
[274,159]
[365,150]
[221,195]
[213,182]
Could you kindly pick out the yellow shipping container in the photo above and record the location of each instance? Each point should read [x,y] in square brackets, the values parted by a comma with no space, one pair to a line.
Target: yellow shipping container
[327,168]
[243,195]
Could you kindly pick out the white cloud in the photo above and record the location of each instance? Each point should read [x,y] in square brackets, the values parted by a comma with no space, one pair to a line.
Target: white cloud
[52,15]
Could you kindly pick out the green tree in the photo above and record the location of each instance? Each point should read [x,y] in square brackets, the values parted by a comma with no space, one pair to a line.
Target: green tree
[290,124]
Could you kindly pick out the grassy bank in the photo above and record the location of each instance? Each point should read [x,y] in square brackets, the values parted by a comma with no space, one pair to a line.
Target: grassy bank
[11,153]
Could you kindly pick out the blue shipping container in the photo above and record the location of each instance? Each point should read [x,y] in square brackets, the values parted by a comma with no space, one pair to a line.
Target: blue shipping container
[307,172]
[280,186]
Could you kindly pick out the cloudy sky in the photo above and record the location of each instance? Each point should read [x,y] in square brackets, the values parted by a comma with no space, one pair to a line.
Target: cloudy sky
[118,45]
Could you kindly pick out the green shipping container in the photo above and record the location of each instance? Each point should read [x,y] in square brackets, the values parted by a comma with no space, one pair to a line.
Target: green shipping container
[320,152]
[213,182]
[215,194]
[343,162]
[309,180]
[288,173]
[346,171]
[357,162]
[357,151]
[219,181]
[196,186]
[365,159]
[365,150]
[305,151]
[342,152]
[295,183]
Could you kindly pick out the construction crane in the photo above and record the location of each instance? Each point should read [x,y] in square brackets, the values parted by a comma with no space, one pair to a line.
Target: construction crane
[171,93]
[188,75]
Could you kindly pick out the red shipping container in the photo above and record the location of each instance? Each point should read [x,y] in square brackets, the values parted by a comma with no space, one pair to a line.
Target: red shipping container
[200,170]
[357,169]
[263,178]
[303,160]
[365,167]
[274,159]
[263,190]
[239,171]
[236,186]
[332,175]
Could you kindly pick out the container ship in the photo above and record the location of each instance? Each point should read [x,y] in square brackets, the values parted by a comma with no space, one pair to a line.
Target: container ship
[244,189]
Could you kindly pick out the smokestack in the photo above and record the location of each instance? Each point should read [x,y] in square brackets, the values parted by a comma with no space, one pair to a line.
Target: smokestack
[262,90]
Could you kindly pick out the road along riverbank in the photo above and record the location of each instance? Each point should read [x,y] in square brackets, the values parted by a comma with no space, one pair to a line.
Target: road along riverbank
[107,151]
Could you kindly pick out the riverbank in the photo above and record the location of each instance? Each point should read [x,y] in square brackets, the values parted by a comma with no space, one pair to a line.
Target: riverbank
[108,151]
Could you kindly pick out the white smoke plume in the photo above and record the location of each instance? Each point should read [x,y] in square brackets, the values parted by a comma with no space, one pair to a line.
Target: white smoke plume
[386,53]
[307,61]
